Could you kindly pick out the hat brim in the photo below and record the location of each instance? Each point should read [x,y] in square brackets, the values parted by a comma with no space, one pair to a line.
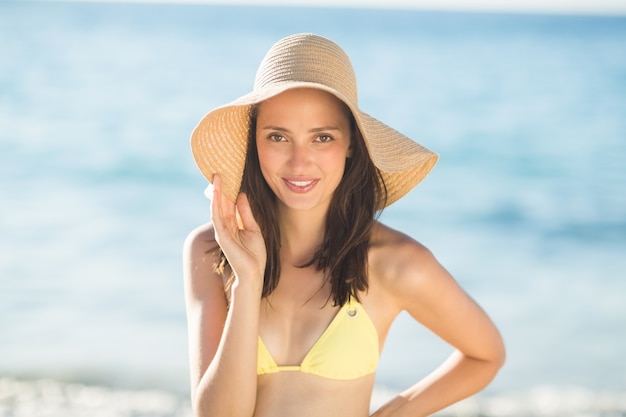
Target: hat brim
[219,143]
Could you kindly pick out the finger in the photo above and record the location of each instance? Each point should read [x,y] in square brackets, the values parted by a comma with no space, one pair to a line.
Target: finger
[222,210]
[228,209]
[245,213]
[216,217]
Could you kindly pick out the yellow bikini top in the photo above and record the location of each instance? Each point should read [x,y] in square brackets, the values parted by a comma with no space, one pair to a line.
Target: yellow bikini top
[348,348]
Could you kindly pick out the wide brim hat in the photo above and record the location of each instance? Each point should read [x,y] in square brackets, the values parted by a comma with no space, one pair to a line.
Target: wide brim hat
[219,141]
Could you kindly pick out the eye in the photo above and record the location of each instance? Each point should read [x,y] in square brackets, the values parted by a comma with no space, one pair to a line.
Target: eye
[324,138]
[275,137]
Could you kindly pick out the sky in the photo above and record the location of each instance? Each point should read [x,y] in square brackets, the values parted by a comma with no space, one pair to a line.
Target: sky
[601,7]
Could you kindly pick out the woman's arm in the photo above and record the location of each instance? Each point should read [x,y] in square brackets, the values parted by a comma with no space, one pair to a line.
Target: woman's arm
[222,337]
[421,286]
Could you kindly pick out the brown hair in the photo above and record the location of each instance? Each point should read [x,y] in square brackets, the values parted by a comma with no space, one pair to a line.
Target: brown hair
[351,215]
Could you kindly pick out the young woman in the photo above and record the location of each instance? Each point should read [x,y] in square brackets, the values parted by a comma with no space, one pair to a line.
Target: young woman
[293,286]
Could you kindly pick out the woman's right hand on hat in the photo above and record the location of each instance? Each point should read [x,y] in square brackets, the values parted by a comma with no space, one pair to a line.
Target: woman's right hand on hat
[239,236]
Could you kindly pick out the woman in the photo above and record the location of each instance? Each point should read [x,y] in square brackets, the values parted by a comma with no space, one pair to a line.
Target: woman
[293,286]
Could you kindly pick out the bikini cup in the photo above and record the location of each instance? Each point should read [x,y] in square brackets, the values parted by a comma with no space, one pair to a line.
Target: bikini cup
[347,349]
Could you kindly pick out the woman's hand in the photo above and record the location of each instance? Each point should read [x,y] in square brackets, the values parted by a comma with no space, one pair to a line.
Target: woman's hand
[239,236]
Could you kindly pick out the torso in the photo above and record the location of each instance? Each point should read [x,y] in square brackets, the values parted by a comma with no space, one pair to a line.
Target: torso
[297,394]
[292,319]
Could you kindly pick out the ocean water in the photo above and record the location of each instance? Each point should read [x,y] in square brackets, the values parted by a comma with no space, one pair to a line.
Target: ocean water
[527,206]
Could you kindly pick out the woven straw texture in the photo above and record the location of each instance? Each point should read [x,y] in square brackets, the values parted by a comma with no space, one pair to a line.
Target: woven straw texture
[219,141]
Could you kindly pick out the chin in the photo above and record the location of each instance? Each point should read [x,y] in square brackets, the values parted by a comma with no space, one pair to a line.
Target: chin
[305,204]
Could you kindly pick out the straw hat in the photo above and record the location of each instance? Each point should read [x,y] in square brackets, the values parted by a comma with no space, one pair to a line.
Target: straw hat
[219,141]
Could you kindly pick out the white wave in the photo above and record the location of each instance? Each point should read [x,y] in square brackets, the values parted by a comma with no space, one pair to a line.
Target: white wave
[50,398]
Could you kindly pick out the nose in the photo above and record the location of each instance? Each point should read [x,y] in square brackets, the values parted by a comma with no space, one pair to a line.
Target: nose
[300,155]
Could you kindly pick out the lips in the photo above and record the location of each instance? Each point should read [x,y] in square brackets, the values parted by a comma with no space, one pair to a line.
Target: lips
[300,185]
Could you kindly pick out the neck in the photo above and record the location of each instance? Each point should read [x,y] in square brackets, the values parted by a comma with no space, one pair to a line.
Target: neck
[301,232]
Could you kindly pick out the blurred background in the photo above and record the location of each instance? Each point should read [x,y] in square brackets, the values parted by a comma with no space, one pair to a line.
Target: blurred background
[526,208]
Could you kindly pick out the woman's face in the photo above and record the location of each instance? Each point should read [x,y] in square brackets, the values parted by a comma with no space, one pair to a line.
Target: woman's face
[303,140]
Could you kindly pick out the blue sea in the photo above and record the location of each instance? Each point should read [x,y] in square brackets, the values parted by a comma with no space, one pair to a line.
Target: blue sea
[98,189]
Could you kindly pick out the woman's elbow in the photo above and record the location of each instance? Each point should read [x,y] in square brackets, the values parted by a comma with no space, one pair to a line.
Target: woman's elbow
[498,354]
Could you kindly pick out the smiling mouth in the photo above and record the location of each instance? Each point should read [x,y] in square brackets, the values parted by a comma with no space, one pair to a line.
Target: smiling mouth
[300,186]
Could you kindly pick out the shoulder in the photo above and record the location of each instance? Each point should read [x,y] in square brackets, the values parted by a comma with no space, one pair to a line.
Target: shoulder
[395,254]
[200,240]
[401,266]
[200,256]
[407,277]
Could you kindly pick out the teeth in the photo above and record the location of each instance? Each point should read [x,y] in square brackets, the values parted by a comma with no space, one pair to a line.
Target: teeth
[301,183]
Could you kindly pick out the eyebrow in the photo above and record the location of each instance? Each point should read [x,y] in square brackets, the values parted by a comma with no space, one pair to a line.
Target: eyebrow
[314,130]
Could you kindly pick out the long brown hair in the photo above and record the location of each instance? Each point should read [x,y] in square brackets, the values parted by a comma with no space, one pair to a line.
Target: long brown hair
[351,214]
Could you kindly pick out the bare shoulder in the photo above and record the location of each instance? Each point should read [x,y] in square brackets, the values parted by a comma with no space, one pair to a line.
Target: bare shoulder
[200,240]
[411,279]
[401,265]
[200,255]
[205,299]
[396,255]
